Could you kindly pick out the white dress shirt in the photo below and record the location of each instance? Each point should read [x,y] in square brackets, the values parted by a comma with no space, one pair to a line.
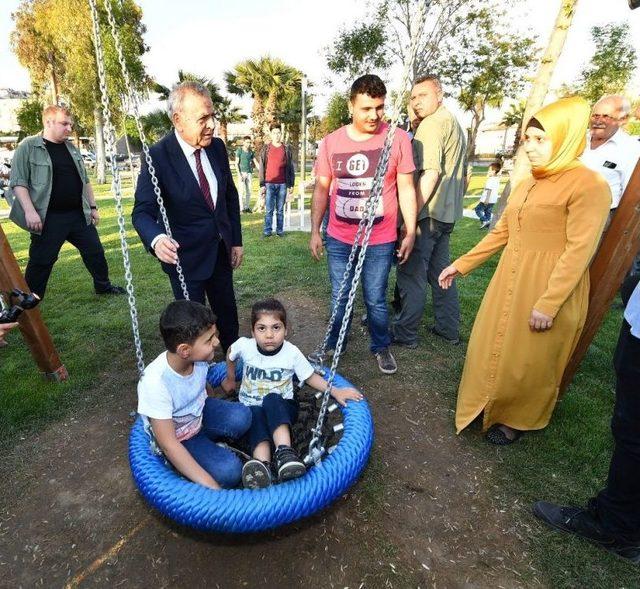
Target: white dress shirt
[615,160]
[189,153]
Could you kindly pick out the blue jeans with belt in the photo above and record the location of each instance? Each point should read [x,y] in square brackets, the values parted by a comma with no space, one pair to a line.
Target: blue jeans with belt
[375,277]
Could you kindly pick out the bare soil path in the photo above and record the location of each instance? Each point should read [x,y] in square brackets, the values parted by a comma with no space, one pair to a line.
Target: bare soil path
[425,513]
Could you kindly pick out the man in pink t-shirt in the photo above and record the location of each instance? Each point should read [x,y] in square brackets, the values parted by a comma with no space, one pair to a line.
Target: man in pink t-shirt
[345,168]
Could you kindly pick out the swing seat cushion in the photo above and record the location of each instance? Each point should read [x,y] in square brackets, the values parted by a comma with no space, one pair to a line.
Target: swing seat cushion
[243,510]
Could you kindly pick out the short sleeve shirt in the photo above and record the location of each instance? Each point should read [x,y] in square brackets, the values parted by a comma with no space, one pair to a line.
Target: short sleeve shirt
[165,394]
[263,374]
[439,144]
[245,159]
[351,165]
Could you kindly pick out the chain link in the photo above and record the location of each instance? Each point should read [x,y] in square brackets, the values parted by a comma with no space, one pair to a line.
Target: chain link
[134,102]
[116,185]
[359,249]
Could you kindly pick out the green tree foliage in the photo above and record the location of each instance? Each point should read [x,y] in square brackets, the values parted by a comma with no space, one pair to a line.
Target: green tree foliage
[613,63]
[513,117]
[359,50]
[487,66]
[30,117]
[271,83]
[337,113]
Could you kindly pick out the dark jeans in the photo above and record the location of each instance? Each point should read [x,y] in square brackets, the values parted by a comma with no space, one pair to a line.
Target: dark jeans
[618,504]
[483,211]
[220,419]
[44,249]
[375,277]
[430,256]
[219,290]
[265,419]
[274,200]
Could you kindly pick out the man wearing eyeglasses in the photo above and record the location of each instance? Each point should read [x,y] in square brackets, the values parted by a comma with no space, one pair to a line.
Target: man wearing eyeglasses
[610,150]
[202,207]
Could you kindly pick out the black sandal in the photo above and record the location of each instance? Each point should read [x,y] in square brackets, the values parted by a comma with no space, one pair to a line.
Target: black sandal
[496,436]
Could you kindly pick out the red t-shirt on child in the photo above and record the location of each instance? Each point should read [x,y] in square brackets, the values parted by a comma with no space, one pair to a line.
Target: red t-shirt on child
[351,165]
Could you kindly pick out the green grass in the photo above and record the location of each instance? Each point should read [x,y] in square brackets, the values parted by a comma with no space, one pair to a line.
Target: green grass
[567,462]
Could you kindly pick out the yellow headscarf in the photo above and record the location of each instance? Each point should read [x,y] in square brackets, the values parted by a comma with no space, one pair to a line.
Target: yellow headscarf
[565,122]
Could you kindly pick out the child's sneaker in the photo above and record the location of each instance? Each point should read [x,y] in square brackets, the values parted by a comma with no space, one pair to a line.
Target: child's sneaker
[256,474]
[288,465]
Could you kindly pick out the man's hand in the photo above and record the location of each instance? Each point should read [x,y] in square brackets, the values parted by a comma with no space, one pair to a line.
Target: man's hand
[34,222]
[237,253]
[167,250]
[406,247]
[95,216]
[289,194]
[445,280]
[263,190]
[539,321]
[315,245]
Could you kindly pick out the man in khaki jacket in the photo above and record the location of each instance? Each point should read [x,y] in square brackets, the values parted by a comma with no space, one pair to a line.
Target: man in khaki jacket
[53,200]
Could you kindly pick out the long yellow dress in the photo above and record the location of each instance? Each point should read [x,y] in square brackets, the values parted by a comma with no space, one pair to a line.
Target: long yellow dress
[549,230]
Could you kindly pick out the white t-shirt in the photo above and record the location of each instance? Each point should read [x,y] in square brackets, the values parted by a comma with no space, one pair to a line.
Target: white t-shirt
[490,190]
[615,160]
[165,394]
[264,374]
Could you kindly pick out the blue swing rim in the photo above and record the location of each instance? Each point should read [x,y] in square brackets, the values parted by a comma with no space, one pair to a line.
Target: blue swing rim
[247,511]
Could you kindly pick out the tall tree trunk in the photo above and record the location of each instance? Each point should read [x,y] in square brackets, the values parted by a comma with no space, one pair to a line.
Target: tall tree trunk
[521,167]
[224,132]
[53,79]
[476,121]
[257,116]
[101,158]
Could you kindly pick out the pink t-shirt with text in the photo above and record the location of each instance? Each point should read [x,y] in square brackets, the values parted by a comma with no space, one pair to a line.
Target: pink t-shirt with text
[351,165]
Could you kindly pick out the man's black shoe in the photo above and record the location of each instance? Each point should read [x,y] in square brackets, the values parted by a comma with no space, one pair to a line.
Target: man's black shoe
[112,290]
[584,524]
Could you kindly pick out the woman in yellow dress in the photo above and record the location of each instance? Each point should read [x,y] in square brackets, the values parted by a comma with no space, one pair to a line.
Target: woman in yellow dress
[535,306]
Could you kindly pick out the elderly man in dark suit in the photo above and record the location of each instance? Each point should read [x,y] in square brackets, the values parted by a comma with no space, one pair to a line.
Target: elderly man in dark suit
[202,205]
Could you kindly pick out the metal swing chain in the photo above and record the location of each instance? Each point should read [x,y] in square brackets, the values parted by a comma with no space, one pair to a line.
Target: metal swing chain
[134,101]
[366,224]
[116,186]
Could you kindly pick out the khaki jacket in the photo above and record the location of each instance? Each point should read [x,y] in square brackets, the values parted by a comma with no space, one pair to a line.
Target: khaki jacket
[31,167]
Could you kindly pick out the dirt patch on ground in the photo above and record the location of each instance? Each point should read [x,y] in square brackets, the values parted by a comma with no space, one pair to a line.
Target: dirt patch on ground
[424,514]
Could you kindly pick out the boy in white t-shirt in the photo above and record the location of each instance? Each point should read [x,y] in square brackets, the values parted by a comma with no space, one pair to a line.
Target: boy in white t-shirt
[173,401]
[269,365]
[489,197]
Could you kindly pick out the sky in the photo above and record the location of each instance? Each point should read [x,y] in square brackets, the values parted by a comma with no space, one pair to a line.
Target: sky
[210,37]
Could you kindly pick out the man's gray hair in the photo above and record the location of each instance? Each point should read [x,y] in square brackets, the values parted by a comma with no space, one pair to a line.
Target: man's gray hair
[621,103]
[435,80]
[179,91]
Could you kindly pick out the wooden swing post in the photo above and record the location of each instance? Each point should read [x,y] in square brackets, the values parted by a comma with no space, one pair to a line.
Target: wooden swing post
[620,244]
[34,331]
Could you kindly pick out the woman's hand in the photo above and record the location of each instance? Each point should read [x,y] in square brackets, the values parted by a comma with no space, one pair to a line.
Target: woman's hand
[445,280]
[539,321]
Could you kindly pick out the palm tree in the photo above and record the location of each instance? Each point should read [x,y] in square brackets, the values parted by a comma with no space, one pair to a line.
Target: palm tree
[512,118]
[227,113]
[270,82]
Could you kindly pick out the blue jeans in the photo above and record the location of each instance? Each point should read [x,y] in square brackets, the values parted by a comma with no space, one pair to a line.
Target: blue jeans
[483,211]
[220,419]
[375,276]
[275,199]
[265,419]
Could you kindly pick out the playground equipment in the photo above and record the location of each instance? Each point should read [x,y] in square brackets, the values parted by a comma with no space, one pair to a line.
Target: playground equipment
[331,470]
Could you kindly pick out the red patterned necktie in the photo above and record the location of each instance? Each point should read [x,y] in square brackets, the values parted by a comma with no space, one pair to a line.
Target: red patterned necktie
[202,180]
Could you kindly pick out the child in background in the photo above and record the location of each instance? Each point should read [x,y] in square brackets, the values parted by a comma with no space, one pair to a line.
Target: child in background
[173,401]
[270,363]
[489,195]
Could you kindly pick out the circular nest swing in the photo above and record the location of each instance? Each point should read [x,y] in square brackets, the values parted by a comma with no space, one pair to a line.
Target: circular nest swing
[244,510]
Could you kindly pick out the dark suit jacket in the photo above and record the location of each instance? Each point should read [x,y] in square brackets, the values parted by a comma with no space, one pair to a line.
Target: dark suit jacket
[194,226]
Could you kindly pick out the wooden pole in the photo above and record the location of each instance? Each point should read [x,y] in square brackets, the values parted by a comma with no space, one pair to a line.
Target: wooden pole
[34,331]
[620,244]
